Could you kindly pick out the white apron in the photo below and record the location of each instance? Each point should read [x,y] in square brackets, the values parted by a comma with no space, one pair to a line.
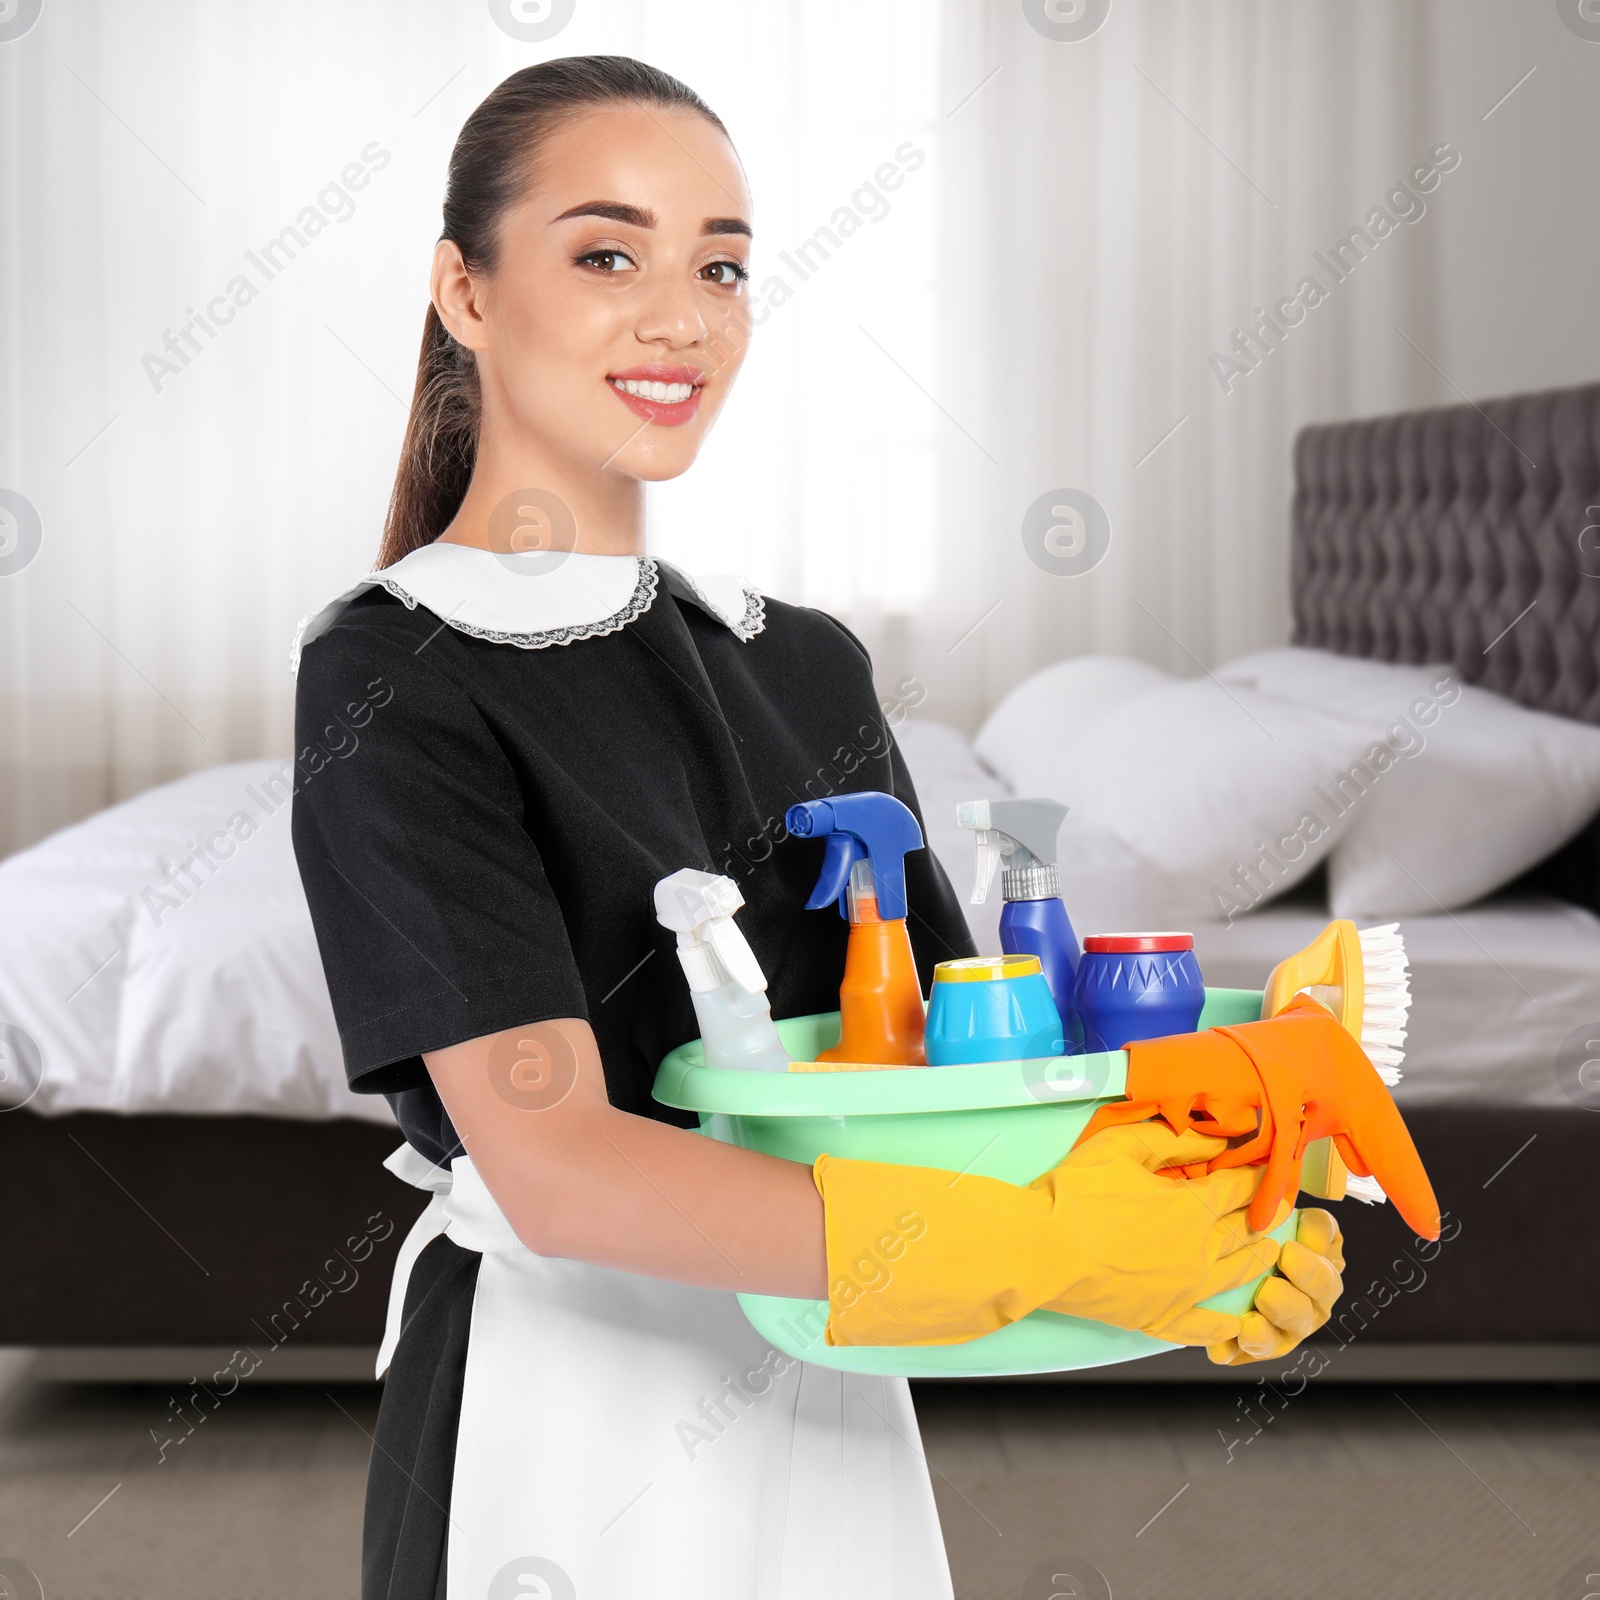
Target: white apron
[624,1436]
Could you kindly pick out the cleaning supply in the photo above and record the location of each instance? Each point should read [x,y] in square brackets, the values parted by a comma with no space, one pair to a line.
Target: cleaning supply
[1137,986]
[991,1008]
[1277,1085]
[983,1120]
[1034,921]
[725,979]
[1103,1235]
[863,869]
[1364,980]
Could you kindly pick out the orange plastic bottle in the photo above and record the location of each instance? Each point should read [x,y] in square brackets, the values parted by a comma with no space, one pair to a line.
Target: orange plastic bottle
[863,872]
[880,999]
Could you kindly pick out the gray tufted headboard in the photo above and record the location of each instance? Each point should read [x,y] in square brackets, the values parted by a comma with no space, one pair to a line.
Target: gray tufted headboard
[1469,534]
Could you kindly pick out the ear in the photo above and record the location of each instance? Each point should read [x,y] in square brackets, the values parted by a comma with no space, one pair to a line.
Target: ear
[457,296]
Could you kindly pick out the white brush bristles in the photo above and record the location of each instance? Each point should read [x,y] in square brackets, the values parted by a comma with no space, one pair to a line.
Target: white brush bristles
[1386,999]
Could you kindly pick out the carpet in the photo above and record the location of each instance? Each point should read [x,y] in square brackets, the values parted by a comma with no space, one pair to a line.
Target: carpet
[1323,1537]
[296,1536]
[184,1536]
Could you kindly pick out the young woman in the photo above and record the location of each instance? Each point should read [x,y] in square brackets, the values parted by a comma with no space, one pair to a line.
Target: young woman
[509,732]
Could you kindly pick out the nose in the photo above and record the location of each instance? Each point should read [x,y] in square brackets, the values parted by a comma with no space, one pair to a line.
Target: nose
[671,316]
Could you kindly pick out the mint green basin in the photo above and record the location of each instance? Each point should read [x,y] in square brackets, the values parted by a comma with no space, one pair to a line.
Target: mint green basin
[1003,1119]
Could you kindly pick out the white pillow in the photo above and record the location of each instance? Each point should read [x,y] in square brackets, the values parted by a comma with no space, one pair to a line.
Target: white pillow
[1060,704]
[945,770]
[1191,801]
[1482,790]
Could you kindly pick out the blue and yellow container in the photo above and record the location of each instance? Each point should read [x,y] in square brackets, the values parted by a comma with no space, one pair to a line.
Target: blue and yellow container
[991,1008]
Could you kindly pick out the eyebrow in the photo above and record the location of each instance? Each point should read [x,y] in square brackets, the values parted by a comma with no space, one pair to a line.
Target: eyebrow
[639,217]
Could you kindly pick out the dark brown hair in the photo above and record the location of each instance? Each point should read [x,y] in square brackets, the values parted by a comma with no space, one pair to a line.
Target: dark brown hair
[494,163]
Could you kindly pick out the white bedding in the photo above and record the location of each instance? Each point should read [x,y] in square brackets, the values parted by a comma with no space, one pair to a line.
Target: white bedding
[144,994]
[147,992]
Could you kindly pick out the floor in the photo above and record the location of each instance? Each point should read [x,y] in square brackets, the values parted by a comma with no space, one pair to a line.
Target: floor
[1520,1430]
[1193,1492]
[1175,1492]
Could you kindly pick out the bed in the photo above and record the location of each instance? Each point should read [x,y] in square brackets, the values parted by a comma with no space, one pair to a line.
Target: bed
[191,1167]
[1470,537]
[194,1174]
[1466,535]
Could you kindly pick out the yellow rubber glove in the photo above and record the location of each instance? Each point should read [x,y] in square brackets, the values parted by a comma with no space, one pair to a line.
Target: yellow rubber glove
[1291,1307]
[921,1256]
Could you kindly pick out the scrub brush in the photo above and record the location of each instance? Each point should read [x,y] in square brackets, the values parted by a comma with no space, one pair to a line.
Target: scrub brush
[1363,978]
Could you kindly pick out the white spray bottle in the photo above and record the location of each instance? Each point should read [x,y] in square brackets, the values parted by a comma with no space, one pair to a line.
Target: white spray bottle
[726,982]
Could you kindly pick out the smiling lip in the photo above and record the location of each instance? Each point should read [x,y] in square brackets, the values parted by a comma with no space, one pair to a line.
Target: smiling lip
[667,413]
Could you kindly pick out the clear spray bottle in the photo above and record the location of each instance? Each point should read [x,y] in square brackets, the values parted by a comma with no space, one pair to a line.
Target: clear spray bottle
[726,982]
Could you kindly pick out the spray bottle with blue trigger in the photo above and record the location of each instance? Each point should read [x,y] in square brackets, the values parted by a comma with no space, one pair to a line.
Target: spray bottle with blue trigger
[867,835]
[1021,834]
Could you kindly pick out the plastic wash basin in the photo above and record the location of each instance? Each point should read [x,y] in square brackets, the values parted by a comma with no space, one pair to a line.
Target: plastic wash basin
[1003,1119]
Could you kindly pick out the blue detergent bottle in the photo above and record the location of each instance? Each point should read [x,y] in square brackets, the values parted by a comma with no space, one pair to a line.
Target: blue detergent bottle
[1022,835]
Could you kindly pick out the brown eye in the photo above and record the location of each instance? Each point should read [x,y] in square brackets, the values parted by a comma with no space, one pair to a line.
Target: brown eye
[726,274]
[608,261]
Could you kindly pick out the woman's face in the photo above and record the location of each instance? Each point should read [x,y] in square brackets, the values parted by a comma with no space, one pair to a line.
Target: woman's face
[617,318]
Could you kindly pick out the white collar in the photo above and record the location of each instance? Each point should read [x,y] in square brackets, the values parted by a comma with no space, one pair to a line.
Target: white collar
[542,599]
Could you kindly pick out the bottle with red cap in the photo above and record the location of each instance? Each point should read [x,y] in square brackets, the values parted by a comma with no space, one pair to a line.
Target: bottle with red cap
[1137,986]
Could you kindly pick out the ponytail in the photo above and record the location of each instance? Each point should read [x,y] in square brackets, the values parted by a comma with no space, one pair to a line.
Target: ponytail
[440,446]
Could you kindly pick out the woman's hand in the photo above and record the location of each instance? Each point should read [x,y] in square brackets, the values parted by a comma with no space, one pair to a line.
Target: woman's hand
[1169,1242]
[917,1255]
[1290,1308]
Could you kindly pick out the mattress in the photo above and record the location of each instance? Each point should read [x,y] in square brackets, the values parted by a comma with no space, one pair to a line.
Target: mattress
[1496,990]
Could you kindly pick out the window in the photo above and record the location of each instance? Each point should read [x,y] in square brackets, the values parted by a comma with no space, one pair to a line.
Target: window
[818,481]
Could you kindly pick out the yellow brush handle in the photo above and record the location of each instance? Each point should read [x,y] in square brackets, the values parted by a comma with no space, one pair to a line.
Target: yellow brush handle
[1332,968]
[1332,960]
[845,1066]
[1323,1174]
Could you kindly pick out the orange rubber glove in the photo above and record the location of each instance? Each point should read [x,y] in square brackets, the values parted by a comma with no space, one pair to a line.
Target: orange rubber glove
[921,1256]
[1284,1083]
[1292,1307]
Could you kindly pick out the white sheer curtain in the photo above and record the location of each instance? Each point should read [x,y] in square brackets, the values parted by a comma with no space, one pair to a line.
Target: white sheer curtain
[1113,208]
[196,497]
[992,265]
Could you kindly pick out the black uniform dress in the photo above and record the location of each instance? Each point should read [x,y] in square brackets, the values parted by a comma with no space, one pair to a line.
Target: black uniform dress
[480,821]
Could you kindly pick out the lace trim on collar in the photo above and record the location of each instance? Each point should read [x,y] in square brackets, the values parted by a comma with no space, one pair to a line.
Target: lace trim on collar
[649,578]
[743,628]
[637,603]
[754,618]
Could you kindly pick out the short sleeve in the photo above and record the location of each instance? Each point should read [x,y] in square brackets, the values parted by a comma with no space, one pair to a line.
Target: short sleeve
[433,913]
